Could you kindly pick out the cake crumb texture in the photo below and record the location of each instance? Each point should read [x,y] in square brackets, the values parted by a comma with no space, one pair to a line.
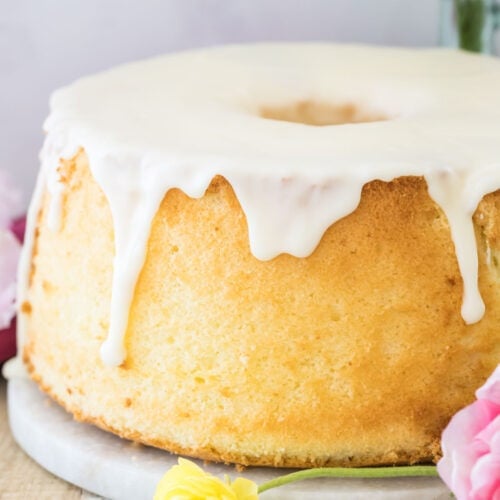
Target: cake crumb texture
[356,355]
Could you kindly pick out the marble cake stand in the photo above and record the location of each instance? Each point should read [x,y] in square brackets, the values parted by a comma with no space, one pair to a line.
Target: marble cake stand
[115,468]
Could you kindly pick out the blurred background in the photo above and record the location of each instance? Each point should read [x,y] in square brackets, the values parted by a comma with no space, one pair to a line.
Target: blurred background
[45,44]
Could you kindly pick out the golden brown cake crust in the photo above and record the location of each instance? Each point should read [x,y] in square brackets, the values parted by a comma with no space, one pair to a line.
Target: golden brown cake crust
[356,355]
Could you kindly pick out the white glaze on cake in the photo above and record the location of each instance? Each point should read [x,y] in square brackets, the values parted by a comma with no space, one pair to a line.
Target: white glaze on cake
[179,120]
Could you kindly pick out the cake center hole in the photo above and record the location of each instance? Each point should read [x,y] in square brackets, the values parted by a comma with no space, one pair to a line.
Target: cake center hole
[321,114]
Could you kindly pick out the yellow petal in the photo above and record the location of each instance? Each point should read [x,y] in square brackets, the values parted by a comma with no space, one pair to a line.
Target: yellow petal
[190,467]
[187,481]
[245,489]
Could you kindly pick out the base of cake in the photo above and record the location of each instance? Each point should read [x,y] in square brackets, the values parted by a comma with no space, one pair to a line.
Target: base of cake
[115,468]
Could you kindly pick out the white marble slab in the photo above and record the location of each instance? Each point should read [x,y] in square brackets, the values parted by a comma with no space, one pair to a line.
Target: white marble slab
[114,468]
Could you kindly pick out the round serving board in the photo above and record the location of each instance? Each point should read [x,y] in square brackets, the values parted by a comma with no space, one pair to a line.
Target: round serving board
[114,468]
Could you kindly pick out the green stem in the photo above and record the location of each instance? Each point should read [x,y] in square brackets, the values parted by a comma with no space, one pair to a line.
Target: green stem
[470,21]
[339,472]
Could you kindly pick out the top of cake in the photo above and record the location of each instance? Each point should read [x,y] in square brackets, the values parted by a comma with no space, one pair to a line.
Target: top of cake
[415,110]
[297,130]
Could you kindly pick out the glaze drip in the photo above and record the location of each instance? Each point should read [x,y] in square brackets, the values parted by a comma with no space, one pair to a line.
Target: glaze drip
[134,189]
[447,188]
[151,126]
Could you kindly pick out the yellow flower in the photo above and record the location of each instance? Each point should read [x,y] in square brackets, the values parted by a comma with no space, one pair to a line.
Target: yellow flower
[187,481]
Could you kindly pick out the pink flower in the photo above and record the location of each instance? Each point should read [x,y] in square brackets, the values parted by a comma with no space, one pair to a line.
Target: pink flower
[471,446]
[10,201]
[9,255]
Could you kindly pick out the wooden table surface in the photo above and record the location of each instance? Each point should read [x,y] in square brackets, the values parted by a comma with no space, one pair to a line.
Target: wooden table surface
[20,477]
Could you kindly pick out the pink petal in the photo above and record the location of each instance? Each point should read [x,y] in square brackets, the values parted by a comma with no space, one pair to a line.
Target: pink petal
[8,342]
[491,389]
[490,435]
[10,201]
[460,451]
[18,227]
[485,477]
[495,442]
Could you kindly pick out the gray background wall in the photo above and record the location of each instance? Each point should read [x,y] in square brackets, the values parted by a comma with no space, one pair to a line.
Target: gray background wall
[47,43]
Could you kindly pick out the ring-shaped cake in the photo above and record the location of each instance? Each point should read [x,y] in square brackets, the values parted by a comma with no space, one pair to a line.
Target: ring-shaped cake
[274,254]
